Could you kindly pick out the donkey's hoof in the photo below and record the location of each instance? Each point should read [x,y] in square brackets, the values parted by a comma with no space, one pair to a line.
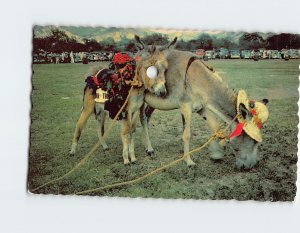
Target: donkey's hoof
[72,153]
[241,166]
[216,160]
[133,160]
[126,162]
[150,152]
[105,148]
[217,156]
[73,149]
[246,162]
[244,165]
[190,163]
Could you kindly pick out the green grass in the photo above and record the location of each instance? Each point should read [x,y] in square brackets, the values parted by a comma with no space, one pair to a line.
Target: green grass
[54,117]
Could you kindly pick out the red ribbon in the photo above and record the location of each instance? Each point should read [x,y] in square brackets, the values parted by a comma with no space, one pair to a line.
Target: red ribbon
[120,58]
[237,131]
[95,80]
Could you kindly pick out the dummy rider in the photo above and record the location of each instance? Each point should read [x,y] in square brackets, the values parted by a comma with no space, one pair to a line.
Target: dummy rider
[111,86]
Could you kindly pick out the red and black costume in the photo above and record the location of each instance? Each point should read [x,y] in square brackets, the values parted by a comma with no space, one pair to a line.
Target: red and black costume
[113,80]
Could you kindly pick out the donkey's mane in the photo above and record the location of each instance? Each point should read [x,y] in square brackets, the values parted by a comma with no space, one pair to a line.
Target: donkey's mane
[223,97]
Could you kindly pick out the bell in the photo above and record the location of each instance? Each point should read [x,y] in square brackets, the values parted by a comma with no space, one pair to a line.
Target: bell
[101,96]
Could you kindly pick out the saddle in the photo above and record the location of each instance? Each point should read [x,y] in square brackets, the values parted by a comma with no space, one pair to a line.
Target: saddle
[111,87]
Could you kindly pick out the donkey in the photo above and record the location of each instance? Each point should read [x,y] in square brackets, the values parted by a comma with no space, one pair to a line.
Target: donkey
[135,103]
[194,87]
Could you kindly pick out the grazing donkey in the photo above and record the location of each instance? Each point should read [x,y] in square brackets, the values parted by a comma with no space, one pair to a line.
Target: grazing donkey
[187,84]
[194,87]
[153,58]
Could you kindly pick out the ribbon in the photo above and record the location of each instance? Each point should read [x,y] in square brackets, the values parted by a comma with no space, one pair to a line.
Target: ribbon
[237,131]
[95,80]
[120,58]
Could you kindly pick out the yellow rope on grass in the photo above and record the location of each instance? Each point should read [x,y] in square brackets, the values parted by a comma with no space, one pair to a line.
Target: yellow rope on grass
[218,134]
[136,180]
[90,153]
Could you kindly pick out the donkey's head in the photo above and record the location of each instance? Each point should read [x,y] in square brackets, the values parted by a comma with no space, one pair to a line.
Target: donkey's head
[251,117]
[152,66]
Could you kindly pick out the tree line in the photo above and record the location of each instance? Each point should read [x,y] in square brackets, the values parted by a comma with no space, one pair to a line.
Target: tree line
[58,41]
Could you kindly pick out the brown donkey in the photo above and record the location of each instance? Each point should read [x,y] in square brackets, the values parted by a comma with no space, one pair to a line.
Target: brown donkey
[187,84]
[194,87]
[149,57]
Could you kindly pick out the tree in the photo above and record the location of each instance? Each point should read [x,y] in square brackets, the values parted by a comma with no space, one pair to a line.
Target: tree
[58,41]
[109,44]
[130,47]
[183,45]
[251,41]
[75,46]
[283,41]
[125,44]
[92,45]
[156,39]
[204,41]
[224,43]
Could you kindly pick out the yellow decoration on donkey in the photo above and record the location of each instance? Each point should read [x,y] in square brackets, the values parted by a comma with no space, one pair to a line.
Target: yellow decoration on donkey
[101,96]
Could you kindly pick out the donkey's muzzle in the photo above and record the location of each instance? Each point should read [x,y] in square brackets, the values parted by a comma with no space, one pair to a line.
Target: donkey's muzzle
[161,92]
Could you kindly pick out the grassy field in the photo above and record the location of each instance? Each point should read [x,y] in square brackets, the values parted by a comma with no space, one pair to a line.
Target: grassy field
[56,103]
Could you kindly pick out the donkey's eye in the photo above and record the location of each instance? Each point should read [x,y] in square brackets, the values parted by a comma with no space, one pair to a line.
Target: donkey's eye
[152,72]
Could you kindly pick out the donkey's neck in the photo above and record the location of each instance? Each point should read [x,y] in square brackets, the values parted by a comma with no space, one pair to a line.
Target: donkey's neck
[223,100]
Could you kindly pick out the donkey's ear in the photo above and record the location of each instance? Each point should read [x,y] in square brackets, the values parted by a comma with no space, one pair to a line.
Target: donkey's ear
[138,76]
[139,43]
[265,101]
[172,44]
[151,49]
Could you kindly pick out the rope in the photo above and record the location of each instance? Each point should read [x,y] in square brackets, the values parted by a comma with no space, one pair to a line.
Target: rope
[95,147]
[219,134]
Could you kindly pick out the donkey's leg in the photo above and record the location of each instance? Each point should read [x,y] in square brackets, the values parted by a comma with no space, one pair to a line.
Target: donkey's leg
[246,156]
[148,112]
[186,112]
[133,122]
[88,107]
[216,149]
[144,121]
[101,114]
[131,138]
[131,148]
[125,136]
